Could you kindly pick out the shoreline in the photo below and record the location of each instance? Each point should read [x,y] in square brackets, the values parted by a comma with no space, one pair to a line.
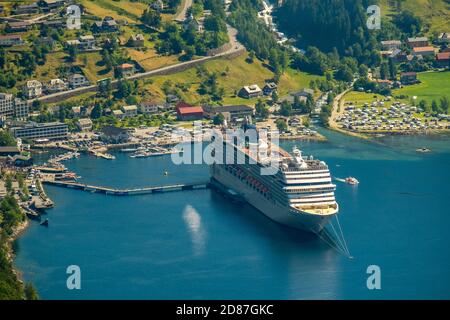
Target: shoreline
[19,231]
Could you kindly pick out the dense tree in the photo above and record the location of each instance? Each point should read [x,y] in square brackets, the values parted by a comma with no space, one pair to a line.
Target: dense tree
[151,18]
[285,108]
[6,139]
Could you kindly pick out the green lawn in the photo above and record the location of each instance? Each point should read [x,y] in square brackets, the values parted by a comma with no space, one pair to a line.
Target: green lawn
[433,86]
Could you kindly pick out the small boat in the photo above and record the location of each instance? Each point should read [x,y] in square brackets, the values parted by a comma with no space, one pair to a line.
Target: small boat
[44,223]
[166,173]
[352,181]
[423,150]
[140,155]
[128,150]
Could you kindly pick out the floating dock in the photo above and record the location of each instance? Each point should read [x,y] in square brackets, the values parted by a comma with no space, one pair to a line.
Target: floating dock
[130,192]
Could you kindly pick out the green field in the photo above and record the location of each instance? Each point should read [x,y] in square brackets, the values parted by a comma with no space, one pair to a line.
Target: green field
[433,86]
[434,13]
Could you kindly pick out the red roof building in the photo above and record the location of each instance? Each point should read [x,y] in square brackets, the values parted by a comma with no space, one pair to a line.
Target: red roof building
[443,59]
[189,113]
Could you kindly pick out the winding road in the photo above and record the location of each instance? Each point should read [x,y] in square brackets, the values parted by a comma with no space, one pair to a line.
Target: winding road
[234,48]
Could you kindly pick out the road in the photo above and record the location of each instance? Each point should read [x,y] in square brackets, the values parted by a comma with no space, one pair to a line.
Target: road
[181,16]
[234,48]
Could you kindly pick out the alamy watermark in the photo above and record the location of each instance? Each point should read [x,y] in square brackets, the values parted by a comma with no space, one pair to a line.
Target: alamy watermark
[231,146]
[374,280]
[73,17]
[374,20]
[74,278]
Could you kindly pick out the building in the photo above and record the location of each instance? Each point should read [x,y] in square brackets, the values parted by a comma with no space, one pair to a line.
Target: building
[190,114]
[304,93]
[84,124]
[56,85]
[424,51]
[125,70]
[108,24]
[48,5]
[9,151]
[136,40]
[269,88]
[129,111]
[408,78]
[443,59]
[151,107]
[6,105]
[398,55]
[111,134]
[118,114]
[46,41]
[33,89]
[32,130]
[418,42]
[19,26]
[77,80]
[87,43]
[11,40]
[390,45]
[55,24]
[444,38]
[235,111]
[32,8]
[21,109]
[251,91]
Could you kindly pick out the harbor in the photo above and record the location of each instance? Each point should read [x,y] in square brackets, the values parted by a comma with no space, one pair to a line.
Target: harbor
[243,251]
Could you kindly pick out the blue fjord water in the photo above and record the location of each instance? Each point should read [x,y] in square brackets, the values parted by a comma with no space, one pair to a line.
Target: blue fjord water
[198,245]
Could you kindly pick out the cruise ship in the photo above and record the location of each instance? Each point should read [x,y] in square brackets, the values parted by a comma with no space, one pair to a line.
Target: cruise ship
[300,194]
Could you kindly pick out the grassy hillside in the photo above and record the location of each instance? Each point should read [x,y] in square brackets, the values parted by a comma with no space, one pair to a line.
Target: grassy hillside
[434,13]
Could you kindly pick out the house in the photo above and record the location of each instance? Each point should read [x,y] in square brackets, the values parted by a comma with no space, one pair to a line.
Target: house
[191,21]
[390,45]
[189,113]
[108,24]
[251,91]
[84,124]
[235,111]
[2,8]
[443,59]
[118,114]
[150,107]
[87,43]
[48,5]
[56,85]
[32,8]
[125,70]
[46,41]
[136,40]
[424,51]
[77,80]
[171,98]
[398,56]
[111,134]
[129,111]
[418,42]
[304,93]
[408,78]
[54,24]
[444,38]
[19,26]
[11,40]
[269,88]
[33,89]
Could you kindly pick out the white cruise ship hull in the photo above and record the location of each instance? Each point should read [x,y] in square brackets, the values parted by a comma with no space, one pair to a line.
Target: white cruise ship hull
[284,215]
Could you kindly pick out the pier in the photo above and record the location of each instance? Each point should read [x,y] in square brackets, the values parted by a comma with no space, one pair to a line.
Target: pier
[129,192]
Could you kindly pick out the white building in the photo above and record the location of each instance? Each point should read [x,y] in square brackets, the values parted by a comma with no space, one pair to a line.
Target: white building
[150,107]
[77,80]
[56,85]
[87,42]
[129,111]
[33,89]
[84,124]
[6,105]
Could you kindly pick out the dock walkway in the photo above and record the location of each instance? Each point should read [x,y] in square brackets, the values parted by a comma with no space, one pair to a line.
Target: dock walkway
[129,192]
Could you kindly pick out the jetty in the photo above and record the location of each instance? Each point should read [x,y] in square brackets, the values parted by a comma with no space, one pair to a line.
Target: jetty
[129,192]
